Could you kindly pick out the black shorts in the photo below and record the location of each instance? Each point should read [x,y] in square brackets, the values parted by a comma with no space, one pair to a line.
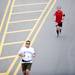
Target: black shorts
[26,66]
[59,24]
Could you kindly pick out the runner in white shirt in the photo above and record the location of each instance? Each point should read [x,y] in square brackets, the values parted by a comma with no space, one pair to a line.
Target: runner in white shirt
[26,53]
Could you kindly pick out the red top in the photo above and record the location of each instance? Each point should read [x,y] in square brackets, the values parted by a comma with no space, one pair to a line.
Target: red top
[59,15]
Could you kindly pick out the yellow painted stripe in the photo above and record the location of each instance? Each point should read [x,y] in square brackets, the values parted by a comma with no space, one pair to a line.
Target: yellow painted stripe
[26,12]
[7,57]
[19,65]
[43,21]
[19,21]
[4,15]
[26,30]
[39,19]
[17,69]
[5,31]
[19,5]
[11,66]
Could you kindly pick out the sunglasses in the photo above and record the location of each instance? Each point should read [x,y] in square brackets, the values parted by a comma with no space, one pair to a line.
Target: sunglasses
[27,43]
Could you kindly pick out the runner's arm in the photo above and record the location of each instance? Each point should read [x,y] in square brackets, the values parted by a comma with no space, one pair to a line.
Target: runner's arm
[21,55]
[63,15]
[34,54]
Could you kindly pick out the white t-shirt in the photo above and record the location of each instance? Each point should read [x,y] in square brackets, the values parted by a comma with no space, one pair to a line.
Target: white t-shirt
[28,52]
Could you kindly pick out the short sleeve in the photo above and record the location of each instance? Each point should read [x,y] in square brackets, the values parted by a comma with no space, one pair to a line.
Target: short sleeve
[33,51]
[20,51]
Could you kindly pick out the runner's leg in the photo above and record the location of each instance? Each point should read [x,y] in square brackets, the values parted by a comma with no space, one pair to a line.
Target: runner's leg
[60,27]
[24,72]
[27,71]
[57,30]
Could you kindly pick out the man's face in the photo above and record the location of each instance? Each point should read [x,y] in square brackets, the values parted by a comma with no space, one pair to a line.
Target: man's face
[27,44]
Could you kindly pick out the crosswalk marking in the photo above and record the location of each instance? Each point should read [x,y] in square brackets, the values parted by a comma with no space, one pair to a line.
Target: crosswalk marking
[43,20]
[12,43]
[19,21]
[25,30]
[32,35]
[20,5]
[5,31]
[33,39]
[2,73]
[7,57]
[27,12]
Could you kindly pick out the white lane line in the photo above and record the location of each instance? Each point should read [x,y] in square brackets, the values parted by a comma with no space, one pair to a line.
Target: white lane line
[26,12]
[7,57]
[20,5]
[2,73]
[12,43]
[19,21]
[25,30]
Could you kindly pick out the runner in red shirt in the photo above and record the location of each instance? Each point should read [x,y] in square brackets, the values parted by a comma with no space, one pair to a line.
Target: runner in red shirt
[59,19]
